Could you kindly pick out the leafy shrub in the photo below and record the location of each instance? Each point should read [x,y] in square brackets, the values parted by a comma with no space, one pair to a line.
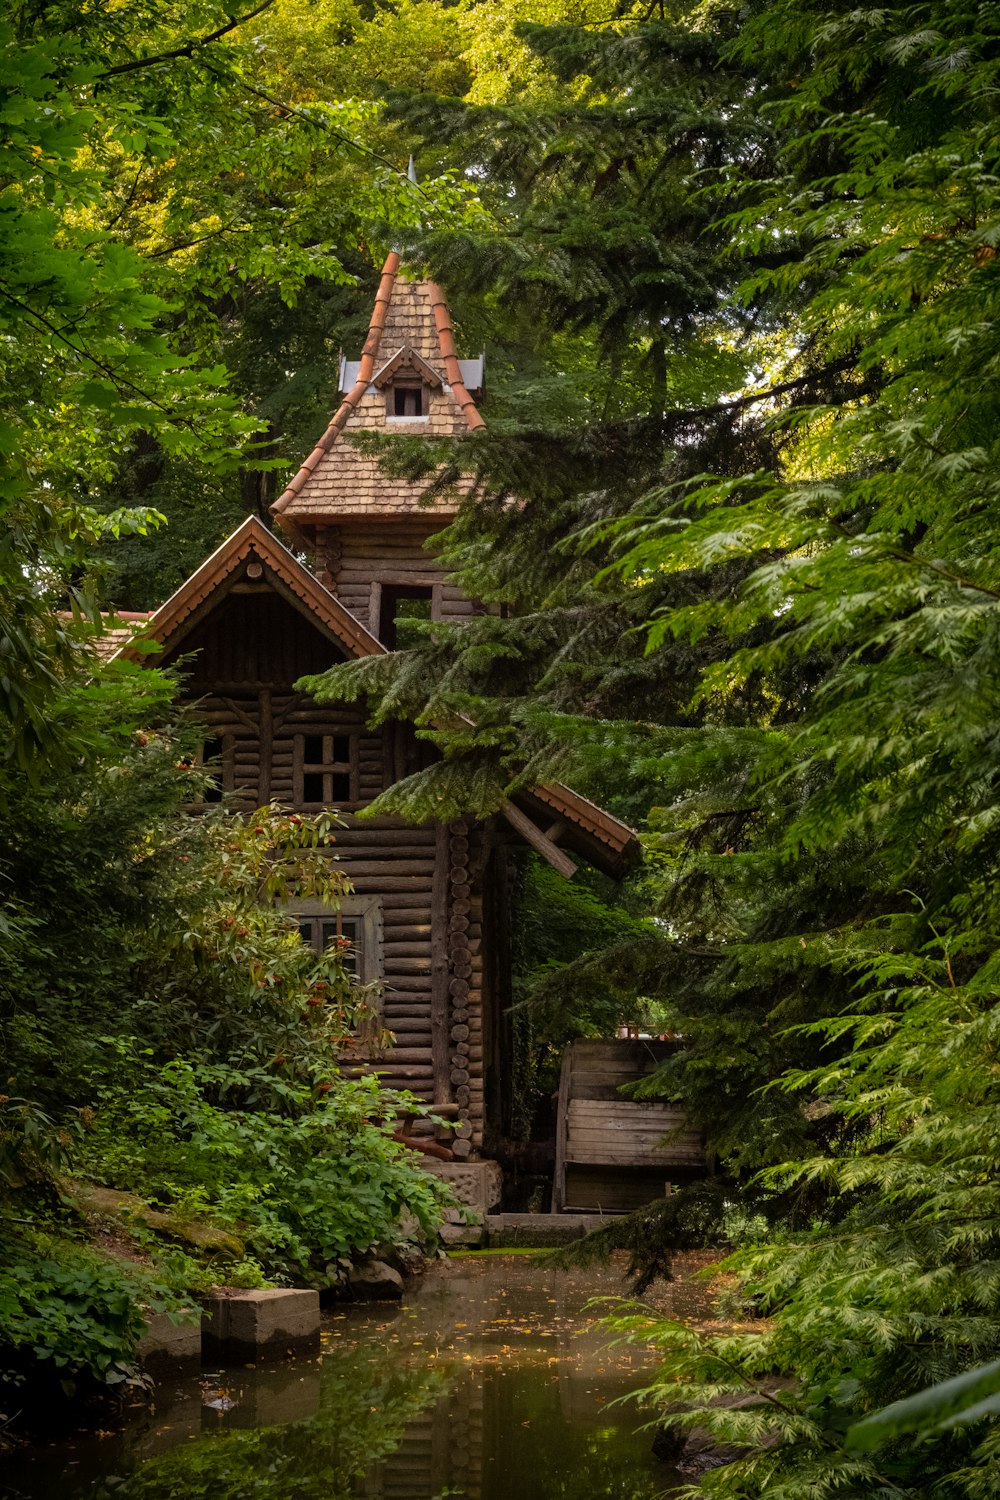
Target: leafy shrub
[306,1174]
[64,1307]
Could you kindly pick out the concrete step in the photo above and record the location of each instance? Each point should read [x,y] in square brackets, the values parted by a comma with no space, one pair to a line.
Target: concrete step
[541,1231]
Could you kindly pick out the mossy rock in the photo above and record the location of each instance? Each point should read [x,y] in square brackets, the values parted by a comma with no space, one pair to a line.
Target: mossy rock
[129,1210]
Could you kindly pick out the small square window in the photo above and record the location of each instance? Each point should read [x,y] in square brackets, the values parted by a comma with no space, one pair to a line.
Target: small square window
[401,605]
[325,769]
[406,401]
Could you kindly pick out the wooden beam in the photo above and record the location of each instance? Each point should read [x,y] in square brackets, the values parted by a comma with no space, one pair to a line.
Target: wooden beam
[562,1113]
[534,836]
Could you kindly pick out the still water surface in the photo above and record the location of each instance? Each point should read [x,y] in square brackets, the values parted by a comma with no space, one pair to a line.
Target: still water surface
[492,1382]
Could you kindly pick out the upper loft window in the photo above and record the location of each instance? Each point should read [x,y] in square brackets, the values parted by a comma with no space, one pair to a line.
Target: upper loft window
[406,400]
[403,608]
[325,769]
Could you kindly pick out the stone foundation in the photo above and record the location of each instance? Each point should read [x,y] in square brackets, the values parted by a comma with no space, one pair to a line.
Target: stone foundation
[248,1326]
[476,1184]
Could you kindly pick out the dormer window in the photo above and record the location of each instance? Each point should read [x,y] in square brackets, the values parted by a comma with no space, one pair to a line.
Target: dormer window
[406,400]
[407,380]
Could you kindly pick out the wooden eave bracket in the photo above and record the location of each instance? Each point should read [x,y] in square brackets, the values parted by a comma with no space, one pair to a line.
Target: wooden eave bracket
[407,358]
[539,841]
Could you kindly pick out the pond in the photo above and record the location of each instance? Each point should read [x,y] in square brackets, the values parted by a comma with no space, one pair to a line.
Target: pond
[492,1382]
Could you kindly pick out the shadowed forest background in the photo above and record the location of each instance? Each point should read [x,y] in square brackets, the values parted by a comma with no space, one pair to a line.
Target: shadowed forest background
[735,272]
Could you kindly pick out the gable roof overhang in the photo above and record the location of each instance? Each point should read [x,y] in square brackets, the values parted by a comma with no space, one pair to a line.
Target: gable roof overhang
[252,542]
[570,820]
[406,359]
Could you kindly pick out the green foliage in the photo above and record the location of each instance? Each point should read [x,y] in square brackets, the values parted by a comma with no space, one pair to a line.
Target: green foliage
[305,1174]
[165,1030]
[951,1403]
[563,988]
[66,1309]
[765,618]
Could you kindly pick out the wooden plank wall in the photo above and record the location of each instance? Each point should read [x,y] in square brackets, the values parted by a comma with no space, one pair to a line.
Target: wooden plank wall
[610,1150]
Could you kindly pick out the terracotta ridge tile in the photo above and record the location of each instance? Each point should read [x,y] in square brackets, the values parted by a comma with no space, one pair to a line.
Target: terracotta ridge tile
[446,343]
[368,353]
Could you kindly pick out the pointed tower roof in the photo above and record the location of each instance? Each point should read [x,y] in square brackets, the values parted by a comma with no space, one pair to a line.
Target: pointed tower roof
[410,338]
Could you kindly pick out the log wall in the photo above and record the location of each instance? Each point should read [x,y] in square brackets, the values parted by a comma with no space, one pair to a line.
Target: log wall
[358,559]
[428,879]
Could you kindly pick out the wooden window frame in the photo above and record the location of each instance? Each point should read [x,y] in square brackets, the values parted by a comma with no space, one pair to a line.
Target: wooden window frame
[367,912]
[403,583]
[227,770]
[328,767]
[417,387]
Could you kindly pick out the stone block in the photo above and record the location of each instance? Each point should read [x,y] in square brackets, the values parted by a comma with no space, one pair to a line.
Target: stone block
[539,1231]
[469,1235]
[167,1344]
[240,1327]
[477,1184]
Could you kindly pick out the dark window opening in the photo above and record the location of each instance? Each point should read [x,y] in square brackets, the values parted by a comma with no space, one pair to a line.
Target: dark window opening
[211,758]
[320,932]
[312,786]
[407,401]
[402,609]
[326,769]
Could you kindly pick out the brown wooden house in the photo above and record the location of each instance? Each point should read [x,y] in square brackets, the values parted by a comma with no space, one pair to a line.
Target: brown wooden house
[429,916]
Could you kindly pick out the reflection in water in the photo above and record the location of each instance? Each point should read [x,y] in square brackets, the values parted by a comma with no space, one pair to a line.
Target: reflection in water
[491,1383]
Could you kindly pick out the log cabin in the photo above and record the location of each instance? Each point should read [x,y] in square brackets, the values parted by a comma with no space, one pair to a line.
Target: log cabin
[429,917]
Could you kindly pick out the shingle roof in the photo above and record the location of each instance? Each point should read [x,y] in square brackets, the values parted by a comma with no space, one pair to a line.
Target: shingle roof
[336,480]
[109,640]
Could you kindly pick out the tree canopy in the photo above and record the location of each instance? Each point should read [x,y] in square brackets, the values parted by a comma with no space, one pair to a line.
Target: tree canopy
[734,516]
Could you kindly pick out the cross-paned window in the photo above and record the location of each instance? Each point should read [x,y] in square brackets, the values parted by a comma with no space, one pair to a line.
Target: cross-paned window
[320,931]
[326,769]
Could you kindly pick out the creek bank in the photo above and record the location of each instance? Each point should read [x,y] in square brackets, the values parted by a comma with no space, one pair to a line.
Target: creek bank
[694,1451]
